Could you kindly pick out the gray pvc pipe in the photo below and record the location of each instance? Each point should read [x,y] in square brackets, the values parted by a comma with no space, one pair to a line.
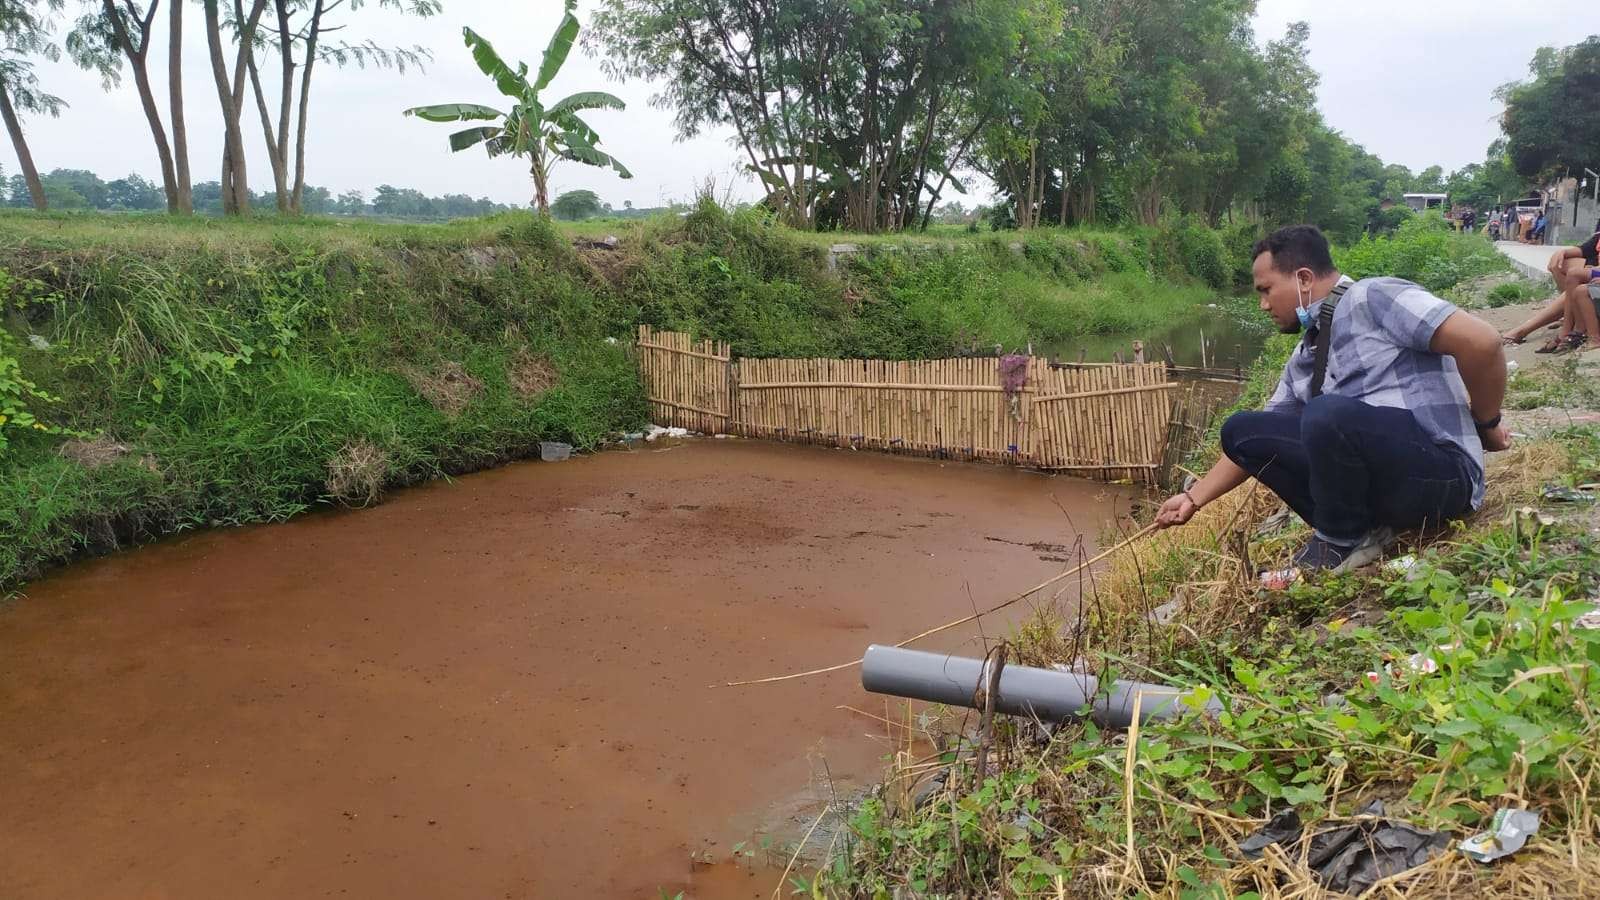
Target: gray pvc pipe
[1050,694]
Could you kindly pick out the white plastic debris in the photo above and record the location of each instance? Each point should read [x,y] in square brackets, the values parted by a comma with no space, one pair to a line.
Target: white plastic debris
[1508,832]
[1511,367]
[1416,663]
[1400,564]
[38,342]
[656,431]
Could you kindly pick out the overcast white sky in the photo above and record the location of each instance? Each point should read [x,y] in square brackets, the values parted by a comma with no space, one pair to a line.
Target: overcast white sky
[1408,79]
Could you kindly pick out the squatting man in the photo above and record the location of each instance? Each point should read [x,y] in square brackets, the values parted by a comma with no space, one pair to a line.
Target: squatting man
[1390,434]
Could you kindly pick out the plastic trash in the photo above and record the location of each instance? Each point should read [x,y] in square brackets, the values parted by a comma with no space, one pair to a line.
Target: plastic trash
[1352,858]
[38,342]
[1416,664]
[554,451]
[1508,832]
[1400,564]
[1563,494]
[1279,579]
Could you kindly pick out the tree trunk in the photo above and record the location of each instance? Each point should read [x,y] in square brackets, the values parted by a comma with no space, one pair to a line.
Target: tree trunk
[1065,185]
[147,100]
[277,136]
[242,62]
[230,115]
[285,99]
[275,150]
[158,131]
[305,100]
[180,133]
[541,185]
[24,157]
[235,180]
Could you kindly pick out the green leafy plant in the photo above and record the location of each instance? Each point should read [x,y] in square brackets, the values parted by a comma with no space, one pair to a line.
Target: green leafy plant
[1508,294]
[19,397]
[542,133]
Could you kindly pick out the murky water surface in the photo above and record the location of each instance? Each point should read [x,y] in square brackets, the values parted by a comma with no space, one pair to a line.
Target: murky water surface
[498,687]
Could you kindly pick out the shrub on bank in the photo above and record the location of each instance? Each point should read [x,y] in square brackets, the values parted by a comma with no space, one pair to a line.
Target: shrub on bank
[1424,249]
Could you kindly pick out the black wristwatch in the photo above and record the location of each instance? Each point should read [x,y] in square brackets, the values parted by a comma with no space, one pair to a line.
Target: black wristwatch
[1489,425]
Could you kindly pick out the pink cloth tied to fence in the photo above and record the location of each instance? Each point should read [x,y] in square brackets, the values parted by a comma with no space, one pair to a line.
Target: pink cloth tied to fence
[1013,373]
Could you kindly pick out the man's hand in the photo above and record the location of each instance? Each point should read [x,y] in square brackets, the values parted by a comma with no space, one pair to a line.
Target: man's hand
[1178,510]
[1557,262]
[1496,439]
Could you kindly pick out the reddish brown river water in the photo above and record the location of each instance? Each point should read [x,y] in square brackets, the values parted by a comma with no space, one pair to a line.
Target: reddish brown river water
[497,687]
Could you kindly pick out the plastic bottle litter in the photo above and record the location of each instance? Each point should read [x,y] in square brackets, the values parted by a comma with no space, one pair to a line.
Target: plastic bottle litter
[1279,579]
[1508,831]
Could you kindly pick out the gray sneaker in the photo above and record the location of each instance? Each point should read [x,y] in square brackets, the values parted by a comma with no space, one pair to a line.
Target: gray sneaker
[1321,555]
[1369,551]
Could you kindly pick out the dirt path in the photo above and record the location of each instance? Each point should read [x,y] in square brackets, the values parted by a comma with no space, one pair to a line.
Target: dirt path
[492,688]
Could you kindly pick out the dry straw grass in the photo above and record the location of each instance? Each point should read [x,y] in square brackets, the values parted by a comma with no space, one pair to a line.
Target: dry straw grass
[530,374]
[449,387]
[356,474]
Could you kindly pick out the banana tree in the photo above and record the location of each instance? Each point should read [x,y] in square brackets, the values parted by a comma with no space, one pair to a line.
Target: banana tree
[544,134]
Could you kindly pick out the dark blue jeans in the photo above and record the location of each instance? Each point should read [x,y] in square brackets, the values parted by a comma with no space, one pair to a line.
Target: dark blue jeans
[1347,467]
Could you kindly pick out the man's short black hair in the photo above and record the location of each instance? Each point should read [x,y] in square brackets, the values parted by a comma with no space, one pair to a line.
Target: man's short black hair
[1297,247]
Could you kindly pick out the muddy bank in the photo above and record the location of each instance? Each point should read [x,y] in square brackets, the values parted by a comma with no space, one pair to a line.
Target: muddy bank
[492,688]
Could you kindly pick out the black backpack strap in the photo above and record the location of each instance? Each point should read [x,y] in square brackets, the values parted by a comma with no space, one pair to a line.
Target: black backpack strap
[1319,370]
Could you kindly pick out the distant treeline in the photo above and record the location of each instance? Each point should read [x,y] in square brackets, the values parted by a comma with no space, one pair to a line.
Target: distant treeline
[81,189]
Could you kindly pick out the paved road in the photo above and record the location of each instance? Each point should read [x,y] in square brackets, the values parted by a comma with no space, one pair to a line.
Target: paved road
[1527,256]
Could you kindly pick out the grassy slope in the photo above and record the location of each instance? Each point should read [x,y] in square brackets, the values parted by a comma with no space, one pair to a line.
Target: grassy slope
[238,360]
[256,368]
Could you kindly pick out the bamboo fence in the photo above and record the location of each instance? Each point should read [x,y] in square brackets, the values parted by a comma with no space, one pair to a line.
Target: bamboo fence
[688,381]
[1103,422]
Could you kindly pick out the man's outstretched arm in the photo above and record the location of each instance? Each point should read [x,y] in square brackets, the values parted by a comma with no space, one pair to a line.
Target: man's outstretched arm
[1181,507]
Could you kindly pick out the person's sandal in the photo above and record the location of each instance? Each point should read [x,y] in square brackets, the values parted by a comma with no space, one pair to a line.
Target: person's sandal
[1550,346]
[1574,341]
[1510,341]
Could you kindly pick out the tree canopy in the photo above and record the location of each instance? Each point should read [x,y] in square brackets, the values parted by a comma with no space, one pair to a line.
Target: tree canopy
[1551,122]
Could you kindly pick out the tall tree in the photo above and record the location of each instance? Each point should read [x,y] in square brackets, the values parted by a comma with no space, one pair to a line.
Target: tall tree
[299,40]
[110,33]
[25,32]
[543,134]
[230,96]
[845,111]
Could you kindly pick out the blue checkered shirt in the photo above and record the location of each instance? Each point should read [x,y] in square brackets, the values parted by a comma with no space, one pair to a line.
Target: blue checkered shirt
[1381,332]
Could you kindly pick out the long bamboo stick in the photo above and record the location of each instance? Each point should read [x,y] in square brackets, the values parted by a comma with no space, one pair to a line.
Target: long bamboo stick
[1148,529]
[681,351]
